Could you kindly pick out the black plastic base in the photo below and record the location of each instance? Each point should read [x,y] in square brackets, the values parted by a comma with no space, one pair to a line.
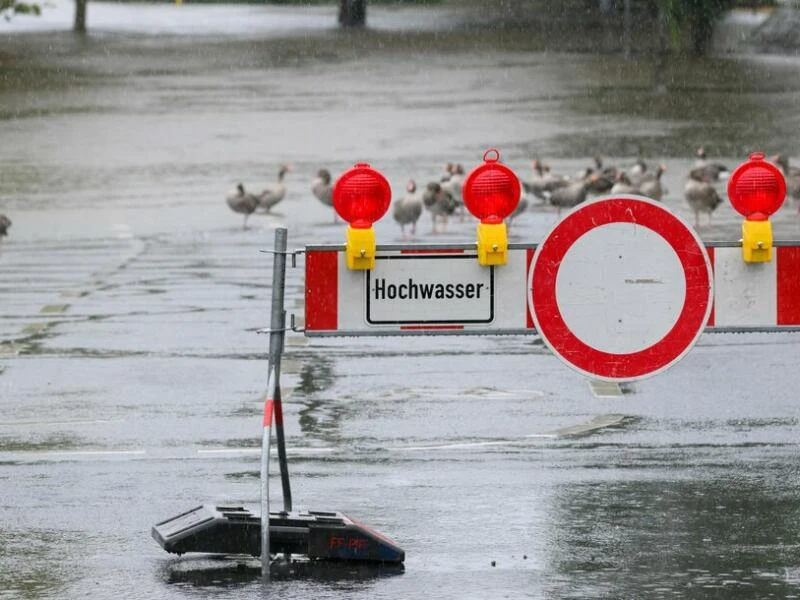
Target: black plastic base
[235,530]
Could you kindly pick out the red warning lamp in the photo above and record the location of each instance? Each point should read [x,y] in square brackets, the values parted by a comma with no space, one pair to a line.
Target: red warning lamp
[361,196]
[756,186]
[491,192]
[756,190]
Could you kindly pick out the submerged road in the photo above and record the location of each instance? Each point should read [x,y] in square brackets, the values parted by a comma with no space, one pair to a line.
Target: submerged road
[132,393]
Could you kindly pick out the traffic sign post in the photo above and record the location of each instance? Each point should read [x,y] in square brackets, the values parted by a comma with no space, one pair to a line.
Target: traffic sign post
[621,288]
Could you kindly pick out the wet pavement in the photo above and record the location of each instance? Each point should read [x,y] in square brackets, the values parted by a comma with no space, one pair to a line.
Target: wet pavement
[132,379]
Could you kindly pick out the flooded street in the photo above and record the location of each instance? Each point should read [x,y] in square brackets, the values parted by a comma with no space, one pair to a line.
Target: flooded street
[132,377]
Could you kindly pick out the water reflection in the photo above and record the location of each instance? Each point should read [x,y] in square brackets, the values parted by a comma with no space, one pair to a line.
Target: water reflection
[732,538]
[225,572]
[316,374]
[320,415]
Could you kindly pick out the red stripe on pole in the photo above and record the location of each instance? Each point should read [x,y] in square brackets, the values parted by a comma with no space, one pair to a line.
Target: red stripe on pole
[268,405]
[788,282]
[322,290]
[429,327]
[528,316]
[437,251]
[710,322]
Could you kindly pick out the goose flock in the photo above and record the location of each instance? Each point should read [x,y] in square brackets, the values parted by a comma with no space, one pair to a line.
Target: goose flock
[442,196]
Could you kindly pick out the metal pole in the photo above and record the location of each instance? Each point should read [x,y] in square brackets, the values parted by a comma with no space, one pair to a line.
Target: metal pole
[272,402]
[276,340]
[284,465]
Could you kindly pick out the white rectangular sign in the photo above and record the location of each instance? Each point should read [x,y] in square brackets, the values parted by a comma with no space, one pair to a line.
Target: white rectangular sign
[429,289]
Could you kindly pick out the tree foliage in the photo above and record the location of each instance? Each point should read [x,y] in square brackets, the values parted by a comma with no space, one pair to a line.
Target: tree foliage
[9,8]
[692,19]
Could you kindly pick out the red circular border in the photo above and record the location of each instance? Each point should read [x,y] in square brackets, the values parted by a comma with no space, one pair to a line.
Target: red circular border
[550,323]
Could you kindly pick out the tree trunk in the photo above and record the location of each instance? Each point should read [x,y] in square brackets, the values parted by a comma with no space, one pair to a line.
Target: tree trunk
[702,18]
[626,29]
[80,16]
[353,13]
[702,30]
[659,73]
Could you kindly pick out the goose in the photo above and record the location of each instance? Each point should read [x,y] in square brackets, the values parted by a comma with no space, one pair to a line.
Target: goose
[455,182]
[637,172]
[408,209]
[603,170]
[606,176]
[242,202]
[5,223]
[623,184]
[536,185]
[712,171]
[701,195]
[454,186]
[543,181]
[274,193]
[572,194]
[440,202]
[447,172]
[651,186]
[792,175]
[323,190]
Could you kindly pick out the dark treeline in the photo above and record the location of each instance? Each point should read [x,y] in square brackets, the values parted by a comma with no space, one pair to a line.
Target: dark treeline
[684,24]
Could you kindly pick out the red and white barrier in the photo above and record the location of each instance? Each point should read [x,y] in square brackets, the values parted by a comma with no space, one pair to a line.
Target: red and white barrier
[755,295]
[443,289]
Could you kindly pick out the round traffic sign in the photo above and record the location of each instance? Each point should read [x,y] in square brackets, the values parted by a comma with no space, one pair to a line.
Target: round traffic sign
[621,288]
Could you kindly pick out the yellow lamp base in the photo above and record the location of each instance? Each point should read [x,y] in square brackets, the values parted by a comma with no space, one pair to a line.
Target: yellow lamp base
[756,241]
[492,244]
[360,248]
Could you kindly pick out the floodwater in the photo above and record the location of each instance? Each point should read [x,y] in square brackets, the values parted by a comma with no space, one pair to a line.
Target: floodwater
[132,377]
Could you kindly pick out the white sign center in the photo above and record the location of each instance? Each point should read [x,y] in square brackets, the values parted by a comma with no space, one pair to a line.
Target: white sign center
[620,288]
[429,289]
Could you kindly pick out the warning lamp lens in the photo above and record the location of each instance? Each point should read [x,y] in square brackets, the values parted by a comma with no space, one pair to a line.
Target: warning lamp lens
[361,196]
[756,186]
[491,191]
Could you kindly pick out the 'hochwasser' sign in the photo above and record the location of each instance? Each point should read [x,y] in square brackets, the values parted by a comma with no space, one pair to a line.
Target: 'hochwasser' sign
[430,289]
